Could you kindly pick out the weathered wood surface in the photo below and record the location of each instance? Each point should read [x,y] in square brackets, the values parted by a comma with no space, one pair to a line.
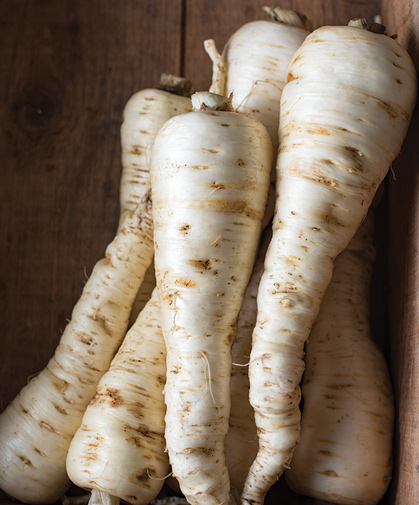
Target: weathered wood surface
[67,69]
[403,276]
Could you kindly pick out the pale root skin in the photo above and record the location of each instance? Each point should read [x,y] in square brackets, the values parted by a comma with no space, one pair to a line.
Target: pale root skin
[256,71]
[37,427]
[210,179]
[344,455]
[144,114]
[119,448]
[241,442]
[344,115]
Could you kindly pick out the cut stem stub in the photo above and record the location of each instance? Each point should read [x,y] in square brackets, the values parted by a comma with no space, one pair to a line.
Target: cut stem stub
[205,100]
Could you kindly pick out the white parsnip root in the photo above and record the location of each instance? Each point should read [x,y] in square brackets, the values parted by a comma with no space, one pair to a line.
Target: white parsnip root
[344,115]
[210,178]
[119,449]
[345,453]
[143,115]
[241,442]
[37,427]
[254,62]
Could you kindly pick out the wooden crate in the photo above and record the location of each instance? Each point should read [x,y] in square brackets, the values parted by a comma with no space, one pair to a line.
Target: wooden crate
[67,69]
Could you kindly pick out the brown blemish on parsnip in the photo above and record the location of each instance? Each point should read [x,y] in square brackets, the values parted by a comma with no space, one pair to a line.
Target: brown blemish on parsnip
[111,395]
[60,409]
[25,460]
[325,453]
[391,111]
[217,185]
[85,339]
[185,228]
[331,219]
[339,386]
[136,150]
[319,130]
[234,207]
[47,426]
[143,476]
[329,473]
[188,283]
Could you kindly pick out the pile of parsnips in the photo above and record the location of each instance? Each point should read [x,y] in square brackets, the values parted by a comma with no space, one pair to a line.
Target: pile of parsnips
[237,292]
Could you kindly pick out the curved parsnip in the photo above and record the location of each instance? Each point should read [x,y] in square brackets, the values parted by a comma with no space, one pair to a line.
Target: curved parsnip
[241,441]
[345,452]
[254,62]
[344,115]
[210,178]
[144,114]
[119,448]
[37,427]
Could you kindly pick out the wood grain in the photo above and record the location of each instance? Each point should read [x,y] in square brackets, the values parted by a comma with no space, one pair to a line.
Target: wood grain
[402,18]
[67,70]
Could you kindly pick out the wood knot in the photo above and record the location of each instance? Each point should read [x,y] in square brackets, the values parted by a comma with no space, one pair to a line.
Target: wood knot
[34,112]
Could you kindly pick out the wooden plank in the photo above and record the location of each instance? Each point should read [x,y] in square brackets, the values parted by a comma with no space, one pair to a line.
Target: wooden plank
[67,69]
[402,18]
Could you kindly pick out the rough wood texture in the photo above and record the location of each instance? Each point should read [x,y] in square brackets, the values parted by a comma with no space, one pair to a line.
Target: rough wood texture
[67,71]
[402,18]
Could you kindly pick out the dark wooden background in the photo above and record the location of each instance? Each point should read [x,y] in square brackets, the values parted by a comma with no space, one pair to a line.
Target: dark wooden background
[67,68]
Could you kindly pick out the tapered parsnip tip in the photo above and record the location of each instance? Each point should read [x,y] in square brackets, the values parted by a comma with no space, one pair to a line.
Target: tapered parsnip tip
[101,498]
[205,100]
[289,17]
[176,85]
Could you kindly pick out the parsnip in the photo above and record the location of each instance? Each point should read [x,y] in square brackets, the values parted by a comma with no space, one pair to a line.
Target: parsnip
[344,114]
[254,62]
[210,178]
[144,114]
[38,425]
[345,452]
[119,448]
[241,441]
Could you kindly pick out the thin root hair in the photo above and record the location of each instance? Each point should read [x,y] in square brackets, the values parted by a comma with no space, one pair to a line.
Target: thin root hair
[216,240]
[254,84]
[32,376]
[158,478]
